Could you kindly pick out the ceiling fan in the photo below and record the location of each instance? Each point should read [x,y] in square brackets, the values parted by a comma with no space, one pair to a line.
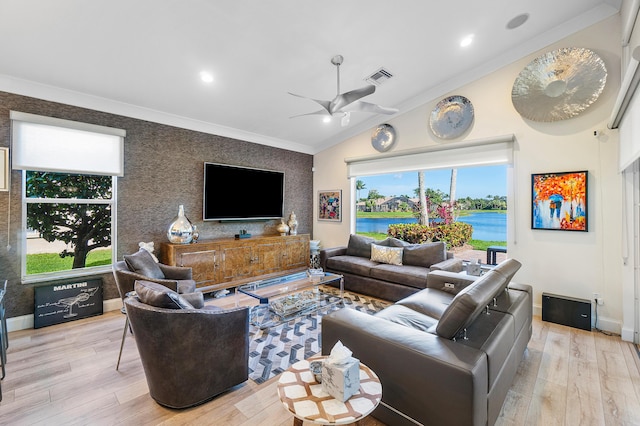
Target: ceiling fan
[346,103]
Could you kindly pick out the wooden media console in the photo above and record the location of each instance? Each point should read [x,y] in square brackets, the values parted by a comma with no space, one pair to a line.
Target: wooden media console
[224,263]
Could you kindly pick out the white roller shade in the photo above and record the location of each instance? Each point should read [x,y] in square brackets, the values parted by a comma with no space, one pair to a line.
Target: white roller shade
[488,152]
[51,144]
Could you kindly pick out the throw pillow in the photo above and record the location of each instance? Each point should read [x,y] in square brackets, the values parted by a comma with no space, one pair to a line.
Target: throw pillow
[395,242]
[148,247]
[142,263]
[159,296]
[359,246]
[425,254]
[390,255]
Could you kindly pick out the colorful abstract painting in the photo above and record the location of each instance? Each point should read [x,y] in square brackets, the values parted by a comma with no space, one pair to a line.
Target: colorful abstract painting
[559,201]
[330,205]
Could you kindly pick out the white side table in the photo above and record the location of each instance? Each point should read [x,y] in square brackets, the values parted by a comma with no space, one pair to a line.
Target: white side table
[303,396]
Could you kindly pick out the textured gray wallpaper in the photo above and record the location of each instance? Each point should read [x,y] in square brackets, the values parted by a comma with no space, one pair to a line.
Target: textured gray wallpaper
[163,169]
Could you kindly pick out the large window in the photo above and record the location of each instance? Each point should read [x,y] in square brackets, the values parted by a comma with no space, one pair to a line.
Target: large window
[479,198]
[69,174]
[474,174]
[69,223]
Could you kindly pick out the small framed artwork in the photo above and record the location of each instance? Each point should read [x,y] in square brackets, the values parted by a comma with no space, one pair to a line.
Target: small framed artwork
[330,205]
[559,201]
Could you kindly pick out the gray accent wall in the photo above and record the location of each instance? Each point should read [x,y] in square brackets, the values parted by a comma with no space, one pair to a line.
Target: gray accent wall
[164,168]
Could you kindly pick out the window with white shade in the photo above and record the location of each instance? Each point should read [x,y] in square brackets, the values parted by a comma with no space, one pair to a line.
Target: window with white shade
[386,188]
[69,172]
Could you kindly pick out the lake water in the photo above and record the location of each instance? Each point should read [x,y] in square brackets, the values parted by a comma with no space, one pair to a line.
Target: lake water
[488,226]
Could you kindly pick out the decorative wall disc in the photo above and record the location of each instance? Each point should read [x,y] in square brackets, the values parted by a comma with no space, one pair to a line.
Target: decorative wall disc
[559,84]
[383,137]
[451,117]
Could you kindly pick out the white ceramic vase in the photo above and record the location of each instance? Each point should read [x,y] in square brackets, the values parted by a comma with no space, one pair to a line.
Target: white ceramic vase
[293,224]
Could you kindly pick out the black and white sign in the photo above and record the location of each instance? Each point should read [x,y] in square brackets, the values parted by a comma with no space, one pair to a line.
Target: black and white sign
[67,301]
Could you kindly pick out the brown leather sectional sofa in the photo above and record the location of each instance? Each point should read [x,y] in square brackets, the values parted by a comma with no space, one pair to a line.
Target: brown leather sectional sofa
[383,280]
[446,355]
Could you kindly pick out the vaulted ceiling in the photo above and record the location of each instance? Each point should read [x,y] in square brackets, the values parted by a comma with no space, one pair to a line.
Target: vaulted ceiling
[144,58]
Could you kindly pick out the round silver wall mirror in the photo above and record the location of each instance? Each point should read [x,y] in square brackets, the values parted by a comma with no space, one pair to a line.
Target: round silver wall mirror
[383,137]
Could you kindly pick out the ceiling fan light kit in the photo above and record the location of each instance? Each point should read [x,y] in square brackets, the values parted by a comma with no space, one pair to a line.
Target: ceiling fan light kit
[345,103]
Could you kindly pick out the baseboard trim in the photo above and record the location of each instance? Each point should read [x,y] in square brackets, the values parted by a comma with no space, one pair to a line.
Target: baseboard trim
[25,322]
[627,334]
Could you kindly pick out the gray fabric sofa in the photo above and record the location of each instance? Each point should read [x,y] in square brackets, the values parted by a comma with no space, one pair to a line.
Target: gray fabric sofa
[446,355]
[383,280]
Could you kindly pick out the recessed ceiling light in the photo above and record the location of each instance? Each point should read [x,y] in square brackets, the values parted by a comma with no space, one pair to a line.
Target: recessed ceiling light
[206,77]
[326,119]
[467,40]
[517,21]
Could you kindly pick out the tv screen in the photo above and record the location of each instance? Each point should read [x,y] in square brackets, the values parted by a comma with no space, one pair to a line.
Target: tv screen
[242,193]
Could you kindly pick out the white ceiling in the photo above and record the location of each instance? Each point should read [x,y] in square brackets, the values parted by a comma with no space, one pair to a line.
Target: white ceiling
[142,58]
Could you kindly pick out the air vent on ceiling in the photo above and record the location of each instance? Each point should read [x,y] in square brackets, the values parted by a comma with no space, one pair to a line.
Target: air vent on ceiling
[379,77]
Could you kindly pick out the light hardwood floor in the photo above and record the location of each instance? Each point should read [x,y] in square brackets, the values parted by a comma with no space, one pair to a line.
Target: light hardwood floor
[65,374]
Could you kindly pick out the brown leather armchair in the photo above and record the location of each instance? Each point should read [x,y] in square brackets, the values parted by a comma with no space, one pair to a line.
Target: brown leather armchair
[189,355]
[142,266]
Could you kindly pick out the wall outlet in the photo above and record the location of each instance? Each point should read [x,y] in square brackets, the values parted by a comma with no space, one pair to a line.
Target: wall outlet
[599,300]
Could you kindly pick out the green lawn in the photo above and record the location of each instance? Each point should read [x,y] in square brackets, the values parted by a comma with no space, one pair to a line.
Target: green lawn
[482,245]
[52,262]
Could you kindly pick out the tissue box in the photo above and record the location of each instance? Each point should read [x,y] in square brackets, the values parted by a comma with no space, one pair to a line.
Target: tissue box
[341,381]
[474,269]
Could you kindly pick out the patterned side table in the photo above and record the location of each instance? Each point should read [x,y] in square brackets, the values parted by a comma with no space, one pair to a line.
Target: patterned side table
[303,396]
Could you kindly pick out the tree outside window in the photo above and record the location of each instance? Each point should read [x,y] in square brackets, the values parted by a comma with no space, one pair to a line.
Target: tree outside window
[69,221]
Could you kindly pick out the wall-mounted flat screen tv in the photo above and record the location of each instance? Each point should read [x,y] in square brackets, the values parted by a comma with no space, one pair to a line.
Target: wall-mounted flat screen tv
[242,193]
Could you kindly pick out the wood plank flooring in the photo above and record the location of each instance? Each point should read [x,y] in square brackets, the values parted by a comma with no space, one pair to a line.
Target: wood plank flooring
[65,374]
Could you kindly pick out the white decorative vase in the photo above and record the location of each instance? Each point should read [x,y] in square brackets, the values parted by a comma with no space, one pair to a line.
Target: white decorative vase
[180,231]
[282,228]
[293,224]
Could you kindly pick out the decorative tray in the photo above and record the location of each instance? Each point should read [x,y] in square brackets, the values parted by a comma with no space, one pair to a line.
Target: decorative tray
[293,303]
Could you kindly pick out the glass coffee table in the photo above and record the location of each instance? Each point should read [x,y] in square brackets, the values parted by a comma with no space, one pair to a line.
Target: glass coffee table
[290,296]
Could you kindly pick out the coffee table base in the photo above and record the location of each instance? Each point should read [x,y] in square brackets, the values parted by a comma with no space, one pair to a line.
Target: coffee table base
[263,316]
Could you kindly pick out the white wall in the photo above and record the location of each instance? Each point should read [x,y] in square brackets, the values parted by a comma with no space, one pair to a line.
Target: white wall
[574,264]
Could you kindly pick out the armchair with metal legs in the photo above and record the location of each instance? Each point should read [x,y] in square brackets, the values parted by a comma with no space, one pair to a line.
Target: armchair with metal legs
[142,266]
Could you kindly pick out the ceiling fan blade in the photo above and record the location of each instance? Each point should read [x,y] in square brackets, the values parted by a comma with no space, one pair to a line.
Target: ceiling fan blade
[325,104]
[361,106]
[347,98]
[320,112]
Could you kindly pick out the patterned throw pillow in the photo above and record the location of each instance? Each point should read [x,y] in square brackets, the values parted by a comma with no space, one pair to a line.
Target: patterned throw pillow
[390,255]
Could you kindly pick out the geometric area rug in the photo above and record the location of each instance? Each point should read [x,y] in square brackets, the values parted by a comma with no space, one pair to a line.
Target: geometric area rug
[273,350]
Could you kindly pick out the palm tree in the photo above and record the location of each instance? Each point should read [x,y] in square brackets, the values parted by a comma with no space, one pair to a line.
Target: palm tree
[360,185]
[452,186]
[424,216]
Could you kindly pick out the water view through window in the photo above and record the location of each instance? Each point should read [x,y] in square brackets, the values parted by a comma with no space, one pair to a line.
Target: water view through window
[479,195]
[486,226]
